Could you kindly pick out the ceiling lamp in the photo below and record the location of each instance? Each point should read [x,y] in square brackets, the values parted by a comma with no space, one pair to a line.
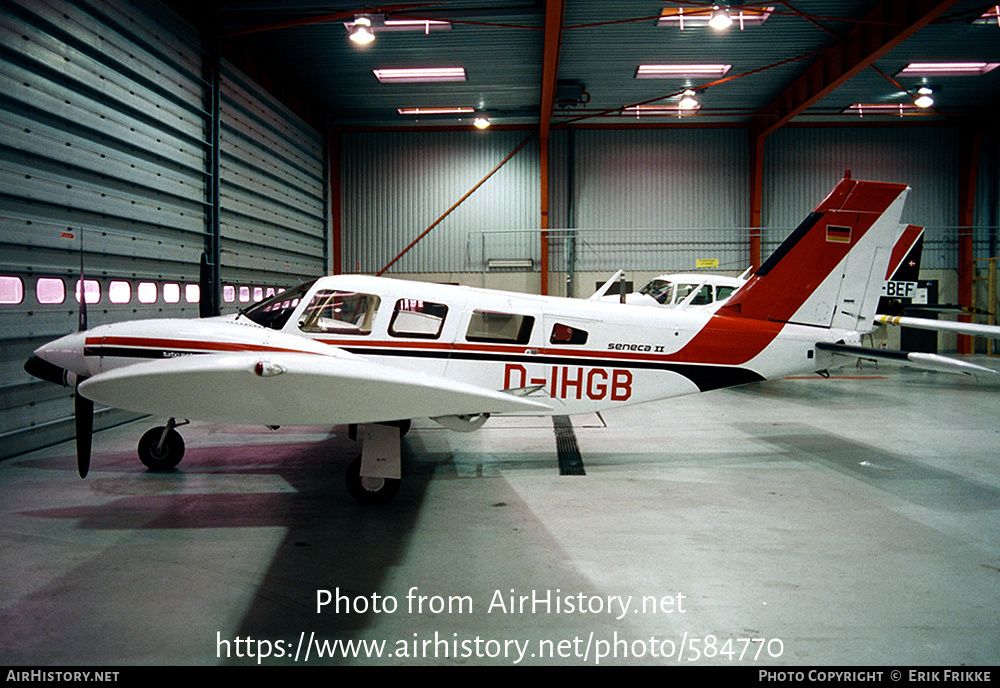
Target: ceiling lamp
[688,101]
[481,122]
[416,75]
[361,32]
[720,19]
[925,97]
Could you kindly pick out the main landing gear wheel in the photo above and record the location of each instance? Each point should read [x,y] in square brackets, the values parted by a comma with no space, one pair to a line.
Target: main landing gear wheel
[161,453]
[369,490]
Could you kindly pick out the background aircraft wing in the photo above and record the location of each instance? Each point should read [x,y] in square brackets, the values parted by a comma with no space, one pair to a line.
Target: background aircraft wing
[975,329]
[292,388]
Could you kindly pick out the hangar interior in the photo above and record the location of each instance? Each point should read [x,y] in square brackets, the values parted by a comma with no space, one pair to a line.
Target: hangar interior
[191,158]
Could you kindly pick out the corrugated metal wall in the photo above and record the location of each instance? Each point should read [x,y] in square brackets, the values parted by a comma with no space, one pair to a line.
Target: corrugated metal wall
[644,199]
[650,199]
[395,185]
[102,128]
[274,189]
[104,135]
[803,164]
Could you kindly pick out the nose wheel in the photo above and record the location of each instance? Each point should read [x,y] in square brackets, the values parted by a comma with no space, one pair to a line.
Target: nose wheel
[161,448]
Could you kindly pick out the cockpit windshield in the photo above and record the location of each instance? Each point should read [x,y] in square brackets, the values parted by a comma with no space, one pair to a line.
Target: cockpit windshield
[659,289]
[275,311]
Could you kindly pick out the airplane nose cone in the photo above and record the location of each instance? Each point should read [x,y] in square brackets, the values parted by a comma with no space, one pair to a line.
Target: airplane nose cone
[66,353]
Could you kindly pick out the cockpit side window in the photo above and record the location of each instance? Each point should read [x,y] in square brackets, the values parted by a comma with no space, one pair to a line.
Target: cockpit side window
[564,334]
[340,312]
[501,328]
[415,318]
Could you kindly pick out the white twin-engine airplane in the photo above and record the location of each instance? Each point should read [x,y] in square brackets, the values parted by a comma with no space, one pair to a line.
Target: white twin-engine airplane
[354,349]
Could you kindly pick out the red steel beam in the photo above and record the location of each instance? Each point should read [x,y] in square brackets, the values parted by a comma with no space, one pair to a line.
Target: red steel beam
[888,25]
[550,73]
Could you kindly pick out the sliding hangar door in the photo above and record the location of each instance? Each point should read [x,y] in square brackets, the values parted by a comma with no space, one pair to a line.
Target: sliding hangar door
[107,138]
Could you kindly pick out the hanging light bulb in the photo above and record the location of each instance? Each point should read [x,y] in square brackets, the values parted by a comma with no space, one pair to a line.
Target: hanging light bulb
[688,100]
[481,122]
[925,97]
[720,19]
[361,32]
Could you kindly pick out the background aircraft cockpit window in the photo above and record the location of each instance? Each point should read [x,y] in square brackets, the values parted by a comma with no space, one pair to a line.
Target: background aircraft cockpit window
[723,292]
[340,312]
[704,296]
[415,318]
[659,289]
[564,334]
[501,328]
[275,311]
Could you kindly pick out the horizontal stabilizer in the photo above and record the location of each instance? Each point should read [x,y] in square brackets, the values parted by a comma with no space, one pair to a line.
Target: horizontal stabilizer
[912,358]
[974,329]
[291,388]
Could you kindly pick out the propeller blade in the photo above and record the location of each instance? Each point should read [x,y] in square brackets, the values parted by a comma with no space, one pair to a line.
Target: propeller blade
[83,412]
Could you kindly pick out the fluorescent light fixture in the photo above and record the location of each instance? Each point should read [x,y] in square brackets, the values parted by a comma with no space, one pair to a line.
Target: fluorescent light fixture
[436,111]
[688,17]
[673,110]
[933,69]
[419,75]
[361,31]
[900,109]
[990,16]
[425,25]
[692,71]
[494,263]
[376,22]
[720,19]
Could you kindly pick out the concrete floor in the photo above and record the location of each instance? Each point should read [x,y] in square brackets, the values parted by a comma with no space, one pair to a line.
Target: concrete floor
[850,521]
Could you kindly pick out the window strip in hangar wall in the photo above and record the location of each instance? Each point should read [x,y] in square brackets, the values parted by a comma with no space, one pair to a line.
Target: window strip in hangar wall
[102,134]
[274,194]
[395,185]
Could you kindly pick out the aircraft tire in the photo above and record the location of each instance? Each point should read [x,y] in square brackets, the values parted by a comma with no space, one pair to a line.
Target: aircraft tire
[168,456]
[369,490]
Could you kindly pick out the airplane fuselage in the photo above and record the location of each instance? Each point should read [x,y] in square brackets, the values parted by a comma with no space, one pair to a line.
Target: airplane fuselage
[574,356]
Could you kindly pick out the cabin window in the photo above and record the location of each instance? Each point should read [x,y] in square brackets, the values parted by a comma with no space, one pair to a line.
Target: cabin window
[340,312]
[501,328]
[415,318]
[564,334]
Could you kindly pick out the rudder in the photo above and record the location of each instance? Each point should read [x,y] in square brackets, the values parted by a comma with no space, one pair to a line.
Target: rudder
[829,272]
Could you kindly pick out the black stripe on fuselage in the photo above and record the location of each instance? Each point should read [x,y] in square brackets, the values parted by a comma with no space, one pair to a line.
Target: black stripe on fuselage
[705,377]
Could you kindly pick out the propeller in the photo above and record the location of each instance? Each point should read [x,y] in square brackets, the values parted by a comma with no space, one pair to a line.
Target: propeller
[83,408]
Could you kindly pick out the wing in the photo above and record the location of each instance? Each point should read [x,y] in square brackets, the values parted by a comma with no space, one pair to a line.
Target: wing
[292,389]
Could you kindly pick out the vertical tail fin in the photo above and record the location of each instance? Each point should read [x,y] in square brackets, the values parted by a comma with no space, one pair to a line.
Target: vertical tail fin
[830,271]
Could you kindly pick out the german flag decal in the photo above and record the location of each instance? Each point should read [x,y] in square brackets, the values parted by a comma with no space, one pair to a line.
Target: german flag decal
[838,235]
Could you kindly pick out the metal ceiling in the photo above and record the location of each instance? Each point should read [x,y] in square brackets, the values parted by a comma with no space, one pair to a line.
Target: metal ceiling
[809,60]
